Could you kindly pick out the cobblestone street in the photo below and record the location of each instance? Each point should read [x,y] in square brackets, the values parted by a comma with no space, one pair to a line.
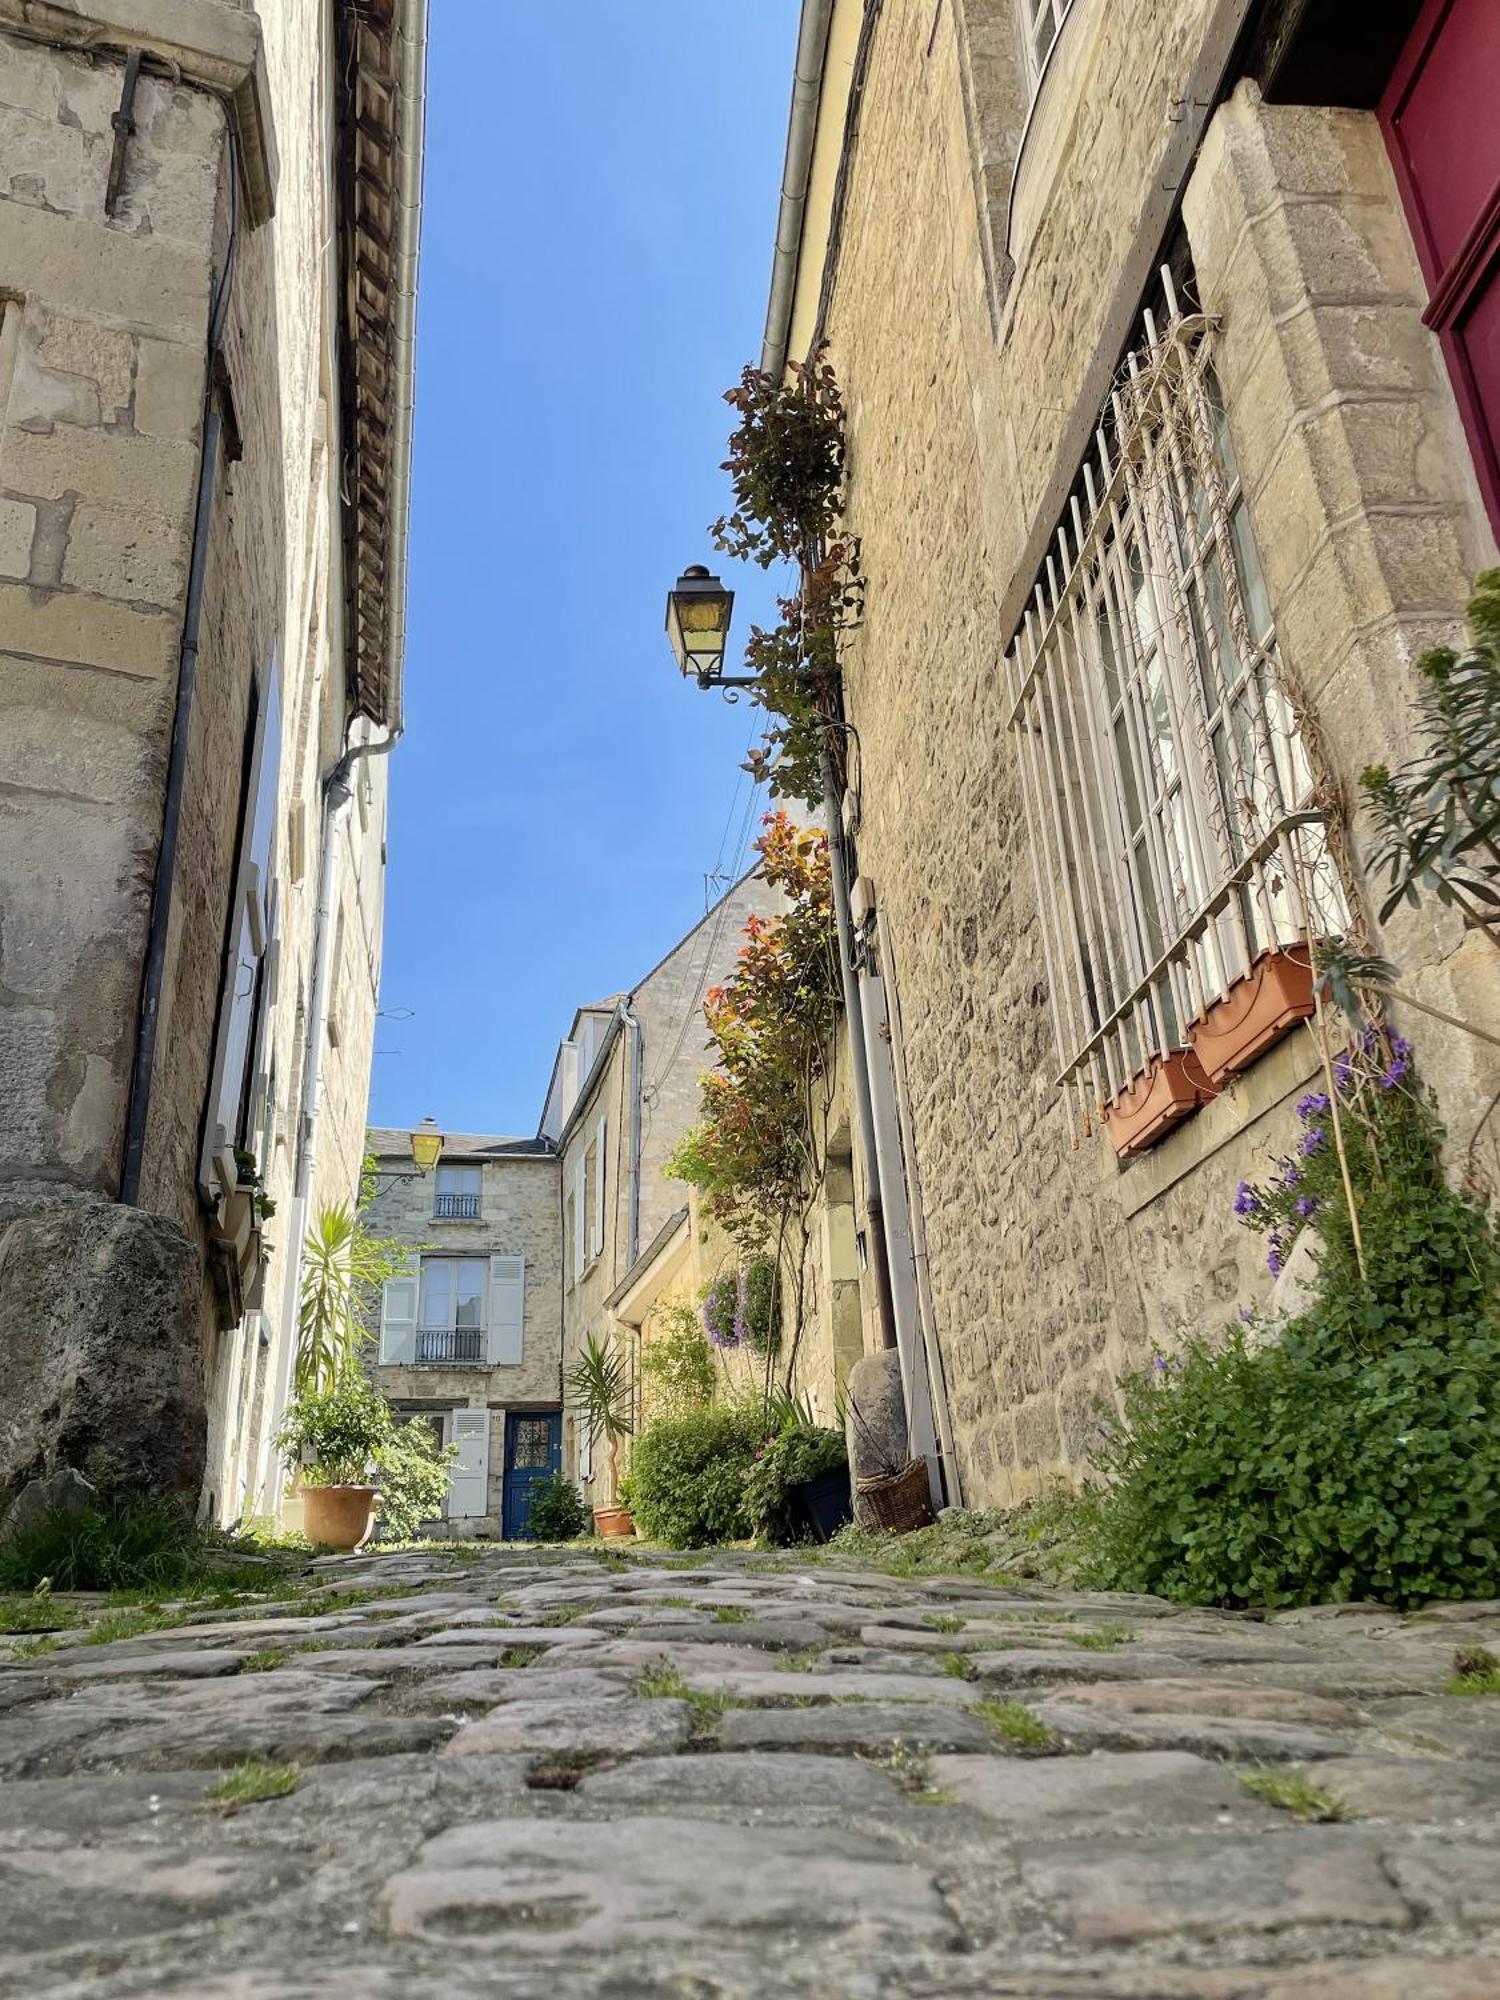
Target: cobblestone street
[524,1775]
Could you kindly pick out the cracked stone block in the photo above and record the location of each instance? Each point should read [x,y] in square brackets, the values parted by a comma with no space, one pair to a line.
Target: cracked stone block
[1212,1736]
[489,1689]
[1060,1798]
[748,1781]
[537,1885]
[17,527]
[106,1893]
[871,1728]
[1100,1893]
[624,1728]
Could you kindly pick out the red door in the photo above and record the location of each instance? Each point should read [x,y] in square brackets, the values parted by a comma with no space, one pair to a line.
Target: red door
[1441,117]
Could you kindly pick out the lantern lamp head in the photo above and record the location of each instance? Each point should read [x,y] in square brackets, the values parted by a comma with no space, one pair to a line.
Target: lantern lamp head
[699,609]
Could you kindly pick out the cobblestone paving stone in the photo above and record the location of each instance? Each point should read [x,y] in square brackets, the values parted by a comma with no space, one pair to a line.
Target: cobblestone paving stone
[556,1774]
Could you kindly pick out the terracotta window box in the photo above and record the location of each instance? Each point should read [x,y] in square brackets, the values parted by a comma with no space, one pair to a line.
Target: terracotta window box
[1274,995]
[1168,1090]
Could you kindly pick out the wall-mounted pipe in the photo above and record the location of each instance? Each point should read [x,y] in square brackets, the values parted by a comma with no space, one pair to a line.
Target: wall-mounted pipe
[802,131]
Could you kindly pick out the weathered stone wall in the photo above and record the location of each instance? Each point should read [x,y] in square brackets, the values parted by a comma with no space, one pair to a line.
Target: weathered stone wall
[962,345]
[518,1217]
[102,359]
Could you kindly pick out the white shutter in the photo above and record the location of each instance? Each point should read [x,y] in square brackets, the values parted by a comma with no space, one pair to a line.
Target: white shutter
[601,1138]
[398,1315]
[507,1310]
[249,932]
[580,1212]
[469,1480]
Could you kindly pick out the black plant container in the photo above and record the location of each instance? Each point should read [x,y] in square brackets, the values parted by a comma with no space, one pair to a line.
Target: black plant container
[825,1502]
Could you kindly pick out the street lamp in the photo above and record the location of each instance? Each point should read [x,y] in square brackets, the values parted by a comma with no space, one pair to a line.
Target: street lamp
[427,1144]
[698,613]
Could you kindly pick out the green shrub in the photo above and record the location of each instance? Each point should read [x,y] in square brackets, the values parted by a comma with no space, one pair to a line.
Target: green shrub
[801,1452]
[335,1436]
[128,1544]
[687,1478]
[557,1510]
[677,1366]
[412,1467]
[1356,1454]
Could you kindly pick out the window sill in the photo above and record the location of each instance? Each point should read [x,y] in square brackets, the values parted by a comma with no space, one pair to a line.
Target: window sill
[456,1221]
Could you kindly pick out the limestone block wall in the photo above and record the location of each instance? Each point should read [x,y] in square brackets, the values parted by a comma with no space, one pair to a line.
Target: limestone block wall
[101,382]
[519,1217]
[1051,1269]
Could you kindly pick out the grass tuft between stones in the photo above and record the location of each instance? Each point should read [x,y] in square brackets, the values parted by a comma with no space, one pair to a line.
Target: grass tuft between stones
[665,1683]
[1015,1724]
[1294,1792]
[264,1660]
[252,1781]
[1476,1670]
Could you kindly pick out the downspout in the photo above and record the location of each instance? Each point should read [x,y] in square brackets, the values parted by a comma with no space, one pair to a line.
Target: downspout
[859,1065]
[633,1158]
[802,128]
[164,880]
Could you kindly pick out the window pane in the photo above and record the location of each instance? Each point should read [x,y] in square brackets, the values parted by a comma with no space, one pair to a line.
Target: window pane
[437,1292]
[1252,583]
[470,1305]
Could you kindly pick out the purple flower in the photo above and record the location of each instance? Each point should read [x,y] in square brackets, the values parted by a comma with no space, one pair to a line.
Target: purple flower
[1247,1316]
[1273,1263]
[1158,1364]
[1313,1140]
[1291,1176]
[1306,1206]
[1246,1200]
[1343,1072]
[1313,1105]
[1389,1078]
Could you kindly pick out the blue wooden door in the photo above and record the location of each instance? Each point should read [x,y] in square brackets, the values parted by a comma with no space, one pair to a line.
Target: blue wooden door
[533,1449]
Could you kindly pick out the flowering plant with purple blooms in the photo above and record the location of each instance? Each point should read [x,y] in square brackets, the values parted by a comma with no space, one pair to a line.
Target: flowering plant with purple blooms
[722,1320]
[1375,1082]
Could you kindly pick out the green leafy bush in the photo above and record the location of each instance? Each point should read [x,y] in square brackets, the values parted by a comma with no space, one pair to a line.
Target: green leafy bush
[557,1510]
[336,1435]
[1356,1453]
[412,1468]
[677,1369]
[799,1453]
[687,1477]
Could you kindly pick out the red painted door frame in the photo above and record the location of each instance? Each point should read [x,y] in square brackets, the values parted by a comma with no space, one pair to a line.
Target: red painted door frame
[1463,272]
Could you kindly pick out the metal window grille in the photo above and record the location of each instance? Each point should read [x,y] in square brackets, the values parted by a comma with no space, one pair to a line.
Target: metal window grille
[1168,793]
[451,1207]
[1041,23]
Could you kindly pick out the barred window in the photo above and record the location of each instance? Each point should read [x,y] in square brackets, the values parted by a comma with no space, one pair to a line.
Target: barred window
[1168,791]
[1041,23]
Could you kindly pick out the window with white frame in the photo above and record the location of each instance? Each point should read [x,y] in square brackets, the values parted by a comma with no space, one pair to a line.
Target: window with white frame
[457,1193]
[450,1309]
[1041,23]
[1168,792]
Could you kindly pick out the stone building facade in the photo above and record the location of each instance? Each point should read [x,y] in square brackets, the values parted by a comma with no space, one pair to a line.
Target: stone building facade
[468,1341]
[207,269]
[1049,245]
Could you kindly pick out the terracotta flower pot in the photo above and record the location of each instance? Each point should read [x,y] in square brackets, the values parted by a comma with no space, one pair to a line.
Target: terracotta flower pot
[1169,1089]
[613,1522]
[339,1517]
[1275,994]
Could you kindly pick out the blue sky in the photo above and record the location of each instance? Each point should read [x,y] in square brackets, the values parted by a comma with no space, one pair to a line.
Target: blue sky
[600,209]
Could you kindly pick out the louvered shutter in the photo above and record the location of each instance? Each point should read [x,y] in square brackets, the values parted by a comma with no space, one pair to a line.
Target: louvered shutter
[507,1310]
[398,1314]
[601,1139]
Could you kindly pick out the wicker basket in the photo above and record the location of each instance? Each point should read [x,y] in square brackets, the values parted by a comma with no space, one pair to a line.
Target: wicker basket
[898,1501]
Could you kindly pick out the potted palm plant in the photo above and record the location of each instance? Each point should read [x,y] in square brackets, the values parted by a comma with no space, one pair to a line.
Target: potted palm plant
[334,1437]
[599,1388]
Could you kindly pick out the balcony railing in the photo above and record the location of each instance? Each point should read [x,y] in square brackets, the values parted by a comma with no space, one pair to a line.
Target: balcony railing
[458,1346]
[457,1208]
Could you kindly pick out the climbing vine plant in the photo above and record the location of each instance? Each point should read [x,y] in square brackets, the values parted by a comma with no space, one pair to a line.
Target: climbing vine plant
[758,1152]
[787,459]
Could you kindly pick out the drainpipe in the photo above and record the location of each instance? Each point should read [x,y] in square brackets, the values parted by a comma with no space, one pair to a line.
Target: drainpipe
[633,1162]
[802,129]
[859,1064]
[164,880]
